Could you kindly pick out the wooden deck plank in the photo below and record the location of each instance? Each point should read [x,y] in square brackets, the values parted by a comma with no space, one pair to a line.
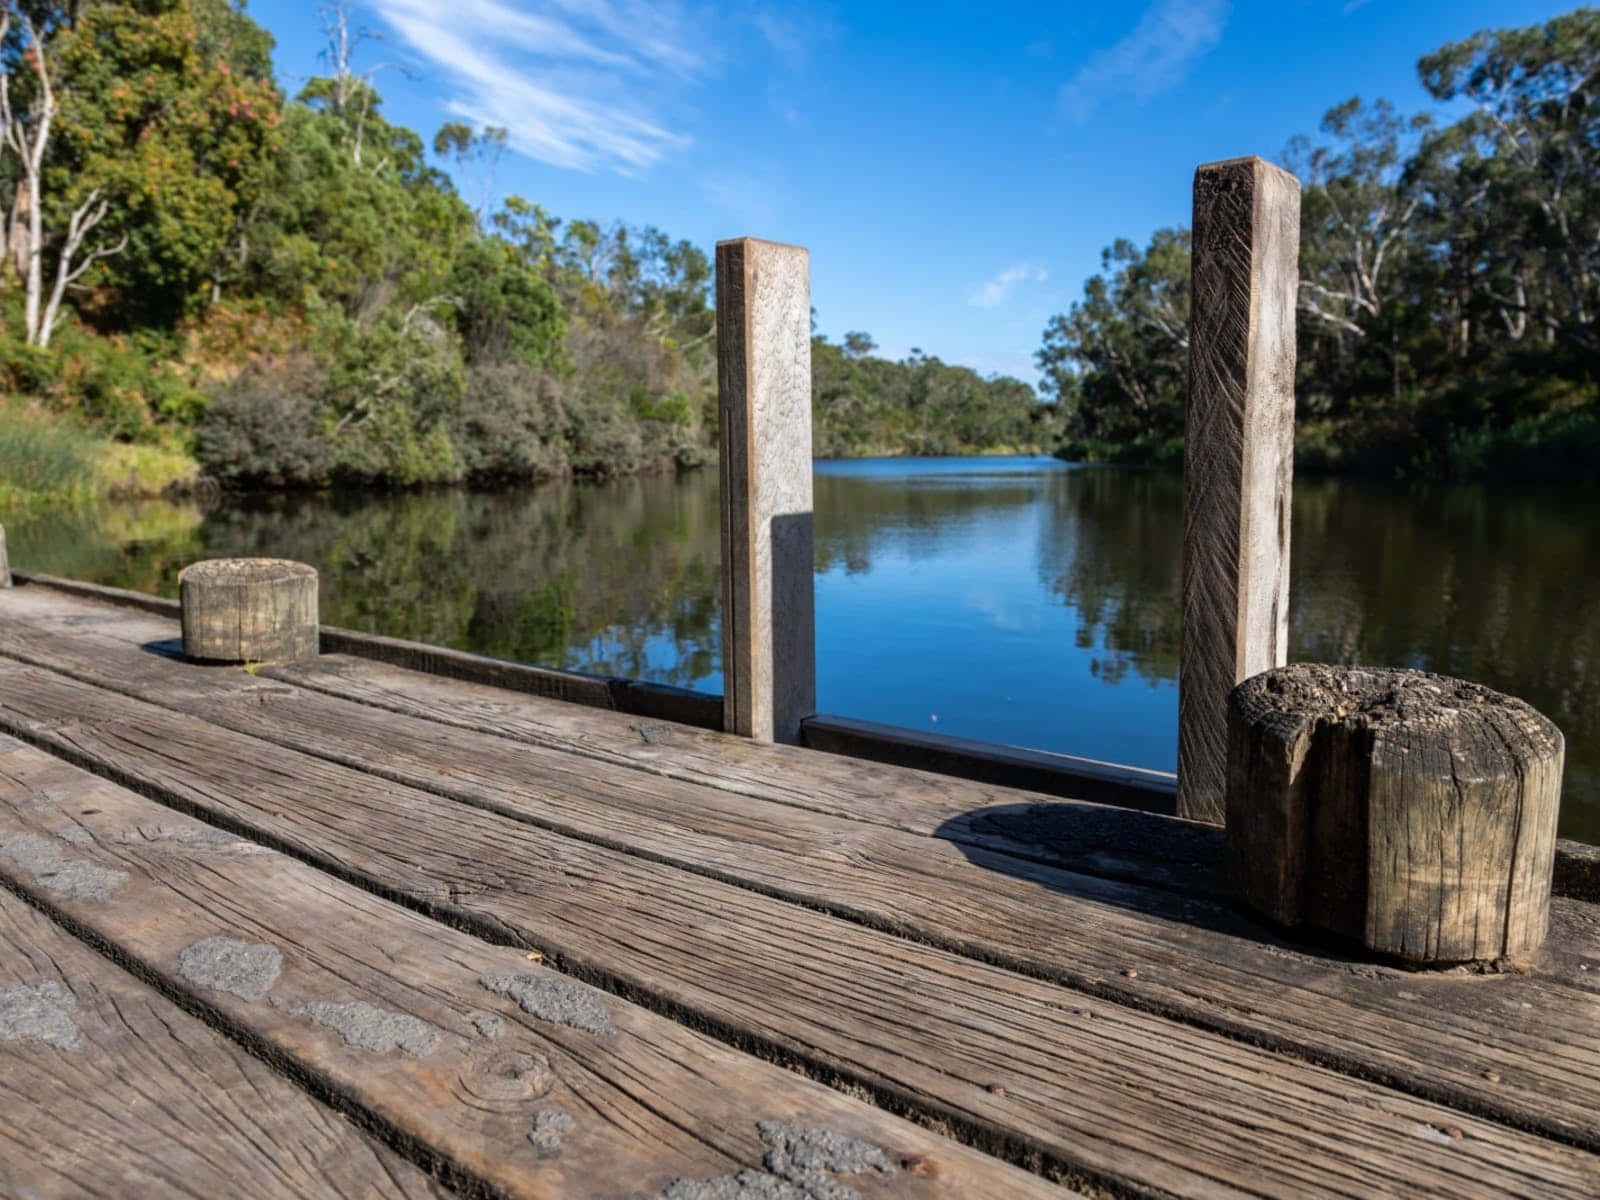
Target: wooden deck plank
[1434,1034]
[107,1088]
[510,1076]
[1114,1093]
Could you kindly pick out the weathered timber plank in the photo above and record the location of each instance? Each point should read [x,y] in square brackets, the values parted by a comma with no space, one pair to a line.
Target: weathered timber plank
[1238,457]
[764,404]
[1427,1032]
[505,1075]
[107,1088]
[1109,1092]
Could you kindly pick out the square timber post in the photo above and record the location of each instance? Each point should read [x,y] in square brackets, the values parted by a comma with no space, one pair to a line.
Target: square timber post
[1238,457]
[764,404]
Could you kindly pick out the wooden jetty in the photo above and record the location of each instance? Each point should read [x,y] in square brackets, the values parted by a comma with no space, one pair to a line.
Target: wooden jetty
[391,920]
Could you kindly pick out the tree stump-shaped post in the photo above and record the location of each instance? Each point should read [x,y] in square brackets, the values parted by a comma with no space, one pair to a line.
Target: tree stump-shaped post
[238,610]
[1410,812]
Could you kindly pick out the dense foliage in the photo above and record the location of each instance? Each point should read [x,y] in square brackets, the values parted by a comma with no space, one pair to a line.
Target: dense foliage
[864,405]
[293,288]
[1450,295]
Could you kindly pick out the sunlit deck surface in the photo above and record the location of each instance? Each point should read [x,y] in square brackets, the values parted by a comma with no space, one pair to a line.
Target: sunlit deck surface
[351,929]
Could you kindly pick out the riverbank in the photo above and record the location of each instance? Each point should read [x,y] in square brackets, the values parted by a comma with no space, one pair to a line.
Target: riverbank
[1549,447]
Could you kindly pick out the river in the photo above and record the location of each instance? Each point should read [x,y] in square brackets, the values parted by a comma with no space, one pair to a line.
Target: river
[1017,600]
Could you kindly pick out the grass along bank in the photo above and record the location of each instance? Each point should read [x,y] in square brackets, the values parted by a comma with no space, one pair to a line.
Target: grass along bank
[49,458]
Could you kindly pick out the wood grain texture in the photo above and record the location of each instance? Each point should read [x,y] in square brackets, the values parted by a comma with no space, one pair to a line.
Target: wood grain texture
[1238,457]
[1194,960]
[238,610]
[107,1088]
[1411,813]
[818,990]
[506,1076]
[764,397]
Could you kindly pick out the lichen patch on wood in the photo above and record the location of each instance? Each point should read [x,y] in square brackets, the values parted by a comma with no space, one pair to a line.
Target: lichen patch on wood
[551,998]
[548,1126]
[76,878]
[800,1164]
[377,1029]
[41,1012]
[245,969]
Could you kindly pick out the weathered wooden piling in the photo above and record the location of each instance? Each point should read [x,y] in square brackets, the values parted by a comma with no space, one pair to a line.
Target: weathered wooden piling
[1413,813]
[5,569]
[249,610]
[764,399]
[1238,456]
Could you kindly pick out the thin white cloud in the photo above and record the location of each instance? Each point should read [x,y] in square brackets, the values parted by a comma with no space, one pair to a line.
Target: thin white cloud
[1156,56]
[1352,5]
[792,34]
[565,78]
[998,290]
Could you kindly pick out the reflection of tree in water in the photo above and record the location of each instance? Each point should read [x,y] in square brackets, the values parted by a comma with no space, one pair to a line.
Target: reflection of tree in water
[1110,550]
[1486,584]
[620,579]
[617,579]
[1490,584]
[141,545]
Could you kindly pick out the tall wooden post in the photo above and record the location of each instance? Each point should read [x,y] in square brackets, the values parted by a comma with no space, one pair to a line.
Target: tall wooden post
[764,398]
[1238,457]
[5,570]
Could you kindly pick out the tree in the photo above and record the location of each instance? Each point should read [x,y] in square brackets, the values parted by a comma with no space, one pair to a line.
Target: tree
[28,133]
[857,344]
[1115,362]
[175,146]
[1532,149]
[477,157]
[1357,207]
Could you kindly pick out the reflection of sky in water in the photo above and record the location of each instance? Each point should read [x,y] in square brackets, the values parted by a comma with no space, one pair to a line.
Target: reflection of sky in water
[952,629]
[656,656]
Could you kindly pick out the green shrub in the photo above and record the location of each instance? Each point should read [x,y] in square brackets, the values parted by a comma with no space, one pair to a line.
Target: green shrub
[511,425]
[265,430]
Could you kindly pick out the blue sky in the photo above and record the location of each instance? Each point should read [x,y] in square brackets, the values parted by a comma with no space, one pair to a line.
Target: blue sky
[955,170]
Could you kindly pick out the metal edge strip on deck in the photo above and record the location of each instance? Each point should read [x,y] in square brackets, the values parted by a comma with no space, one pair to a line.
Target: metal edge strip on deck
[1577,865]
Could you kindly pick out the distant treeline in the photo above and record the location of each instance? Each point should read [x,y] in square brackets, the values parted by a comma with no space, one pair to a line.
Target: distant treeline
[293,292]
[1449,319]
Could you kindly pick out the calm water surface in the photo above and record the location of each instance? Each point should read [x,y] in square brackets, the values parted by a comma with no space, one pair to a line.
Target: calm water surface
[1018,600]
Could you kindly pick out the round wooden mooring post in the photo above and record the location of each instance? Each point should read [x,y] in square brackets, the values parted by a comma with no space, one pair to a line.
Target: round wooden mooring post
[249,610]
[1411,812]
